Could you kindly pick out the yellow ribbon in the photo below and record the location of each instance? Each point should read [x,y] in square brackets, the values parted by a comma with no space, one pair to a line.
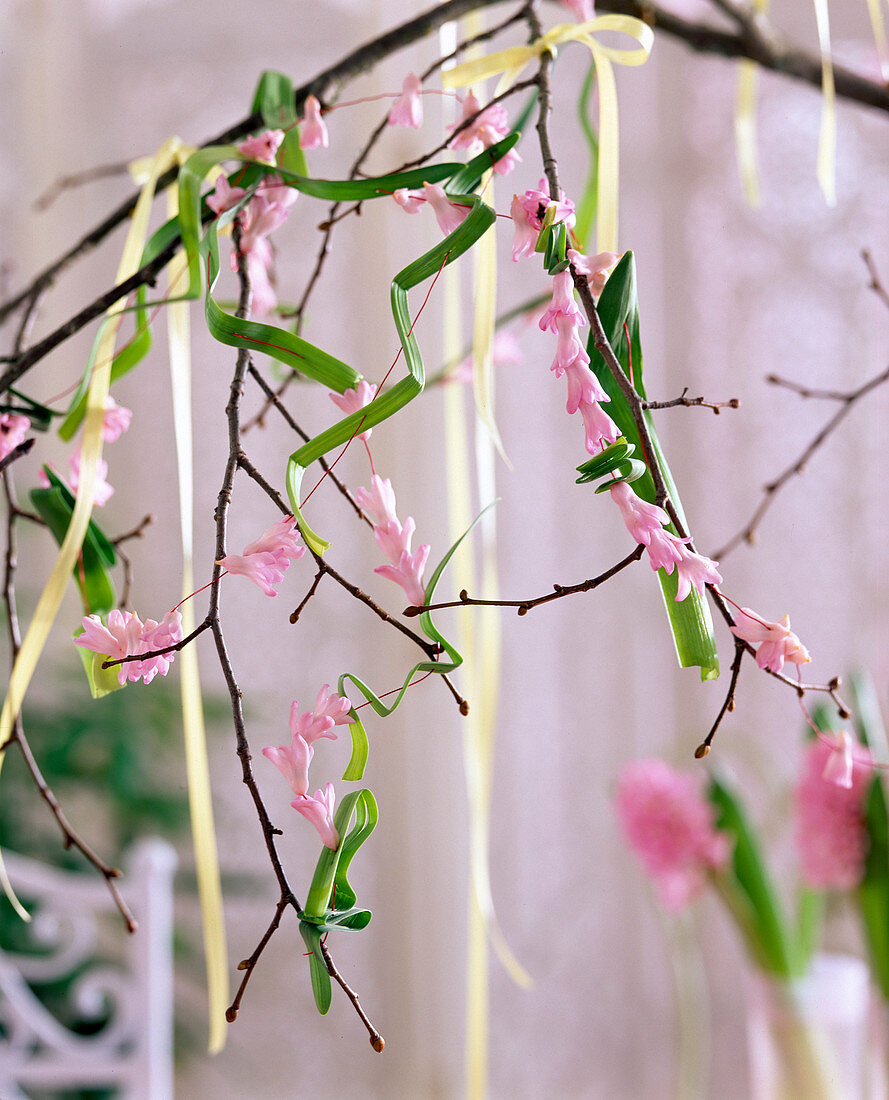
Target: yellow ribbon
[511,62]
[879,28]
[196,763]
[745,122]
[91,453]
[827,141]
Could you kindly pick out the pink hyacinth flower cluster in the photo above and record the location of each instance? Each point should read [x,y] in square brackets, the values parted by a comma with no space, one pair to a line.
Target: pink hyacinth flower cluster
[585,395]
[266,211]
[125,635]
[670,827]
[13,429]
[394,539]
[775,643]
[407,110]
[528,211]
[312,128]
[491,126]
[666,551]
[353,400]
[831,833]
[265,560]
[293,760]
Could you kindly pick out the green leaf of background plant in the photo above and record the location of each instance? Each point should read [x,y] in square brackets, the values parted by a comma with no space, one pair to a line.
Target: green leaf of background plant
[95,586]
[750,893]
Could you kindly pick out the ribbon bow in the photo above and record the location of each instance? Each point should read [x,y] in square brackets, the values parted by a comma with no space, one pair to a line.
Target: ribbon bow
[511,62]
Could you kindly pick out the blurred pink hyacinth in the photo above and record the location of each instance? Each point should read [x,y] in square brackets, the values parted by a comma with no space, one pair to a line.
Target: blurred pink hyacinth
[775,643]
[670,827]
[265,560]
[13,429]
[115,421]
[319,810]
[583,9]
[103,492]
[224,196]
[407,110]
[263,147]
[831,833]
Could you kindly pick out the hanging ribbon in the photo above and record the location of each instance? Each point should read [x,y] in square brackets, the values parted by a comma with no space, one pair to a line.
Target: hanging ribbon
[827,141]
[875,12]
[91,454]
[745,121]
[196,762]
[511,62]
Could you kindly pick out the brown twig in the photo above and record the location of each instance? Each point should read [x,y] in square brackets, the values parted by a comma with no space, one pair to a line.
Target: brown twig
[728,703]
[690,402]
[248,965]
[376,1039]
[770,490]
[78,179]
[875,282]
[524,606]
[71,838]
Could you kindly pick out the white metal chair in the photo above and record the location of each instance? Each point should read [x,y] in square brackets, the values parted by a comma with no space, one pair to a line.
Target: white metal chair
[133,1050]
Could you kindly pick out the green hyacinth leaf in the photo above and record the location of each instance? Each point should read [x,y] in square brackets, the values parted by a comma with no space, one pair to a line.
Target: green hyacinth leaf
[690,620]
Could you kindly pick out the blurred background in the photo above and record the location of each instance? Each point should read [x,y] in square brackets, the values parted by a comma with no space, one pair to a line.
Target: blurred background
[728,296]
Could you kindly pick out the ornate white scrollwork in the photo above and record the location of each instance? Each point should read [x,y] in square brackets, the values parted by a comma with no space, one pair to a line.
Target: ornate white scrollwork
[130,1004]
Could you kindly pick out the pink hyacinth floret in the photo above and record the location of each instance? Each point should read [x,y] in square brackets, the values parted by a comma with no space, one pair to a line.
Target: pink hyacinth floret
[670,828]
[13,429]
[319,810]
[775,643]
[224,196]
[409,201]
[644,521]
[265,560]
[351,401]
[408,572]
[115,421]
[528,211]
[312,128]
[563,305]
[407,110]
[263,147]
[831,832]
[695,571]
[487,129]
[596,268]
[379,501]
[292,761]
[449,215]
